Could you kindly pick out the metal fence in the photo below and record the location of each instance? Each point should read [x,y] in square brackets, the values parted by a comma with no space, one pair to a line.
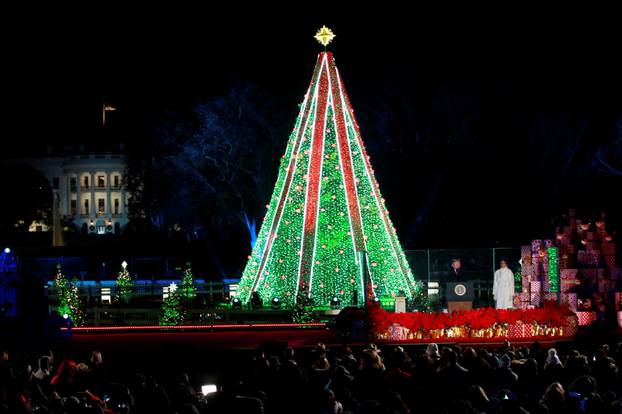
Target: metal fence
[477,266]
[431,265]
[141,294]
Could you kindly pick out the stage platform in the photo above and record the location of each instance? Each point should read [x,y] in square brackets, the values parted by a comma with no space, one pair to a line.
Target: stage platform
[251,339]
[254,336]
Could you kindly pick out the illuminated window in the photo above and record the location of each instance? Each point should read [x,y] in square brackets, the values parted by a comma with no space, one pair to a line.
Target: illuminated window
[101,181]
[101,206]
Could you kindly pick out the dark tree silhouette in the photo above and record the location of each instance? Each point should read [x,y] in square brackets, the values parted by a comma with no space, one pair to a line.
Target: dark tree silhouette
[27,196]
[210,170]
[608,156]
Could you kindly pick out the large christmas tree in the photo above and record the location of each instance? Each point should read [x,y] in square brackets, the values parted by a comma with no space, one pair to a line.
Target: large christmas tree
[326,214]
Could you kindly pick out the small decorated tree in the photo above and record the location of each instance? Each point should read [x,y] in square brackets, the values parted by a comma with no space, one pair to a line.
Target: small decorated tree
[125,283]
[188,289]
[173,312]
[303,310]
[420,300]
[69,302]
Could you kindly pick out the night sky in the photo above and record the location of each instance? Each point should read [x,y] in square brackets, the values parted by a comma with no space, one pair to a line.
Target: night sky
[465,114]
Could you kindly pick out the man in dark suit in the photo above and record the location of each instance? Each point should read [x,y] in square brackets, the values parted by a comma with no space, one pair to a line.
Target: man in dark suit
[455,272]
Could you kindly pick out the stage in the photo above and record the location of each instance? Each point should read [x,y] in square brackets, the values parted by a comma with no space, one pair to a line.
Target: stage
[249,339]
[358,327]
[251,336]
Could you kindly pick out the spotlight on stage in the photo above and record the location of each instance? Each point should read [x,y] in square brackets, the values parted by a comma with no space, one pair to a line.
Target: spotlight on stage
[375,300]
[276,303]
[236,303]
[65,316]
[335,302]
[7,250]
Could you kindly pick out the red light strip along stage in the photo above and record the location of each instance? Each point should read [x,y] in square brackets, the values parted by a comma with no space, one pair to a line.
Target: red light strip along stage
[84,329]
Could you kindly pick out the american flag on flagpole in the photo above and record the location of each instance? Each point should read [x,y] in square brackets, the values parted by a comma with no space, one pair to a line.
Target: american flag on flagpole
[107,108]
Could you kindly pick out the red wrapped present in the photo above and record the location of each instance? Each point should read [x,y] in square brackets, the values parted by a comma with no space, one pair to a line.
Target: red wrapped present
[536,299]
[536,287]
[570,299]
[514,331]
[571,325]
[586,318]
[568,274]
[567,285]
[525,251]
[526,269]
[518,331]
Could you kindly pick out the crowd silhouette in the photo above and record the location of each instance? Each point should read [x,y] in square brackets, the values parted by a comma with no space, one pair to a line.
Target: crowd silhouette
[390,379]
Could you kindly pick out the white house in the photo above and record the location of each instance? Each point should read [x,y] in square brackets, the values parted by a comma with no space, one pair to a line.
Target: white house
[88,190]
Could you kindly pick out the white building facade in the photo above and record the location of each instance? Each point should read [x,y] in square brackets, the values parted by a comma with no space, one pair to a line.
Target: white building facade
[88,189]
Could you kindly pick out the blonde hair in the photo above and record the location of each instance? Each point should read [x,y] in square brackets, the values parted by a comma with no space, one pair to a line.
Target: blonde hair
[371,359]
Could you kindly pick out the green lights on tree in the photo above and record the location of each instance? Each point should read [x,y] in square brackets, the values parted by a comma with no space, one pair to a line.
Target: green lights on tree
[69,303]
[125,284]
[553,271]
[173,310]
[326,207]
[420,300]
[177,300]
[303,309]
[518,282]
[188,289]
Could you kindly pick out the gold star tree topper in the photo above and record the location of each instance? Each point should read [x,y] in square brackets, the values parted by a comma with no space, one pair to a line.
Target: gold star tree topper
[324,36]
